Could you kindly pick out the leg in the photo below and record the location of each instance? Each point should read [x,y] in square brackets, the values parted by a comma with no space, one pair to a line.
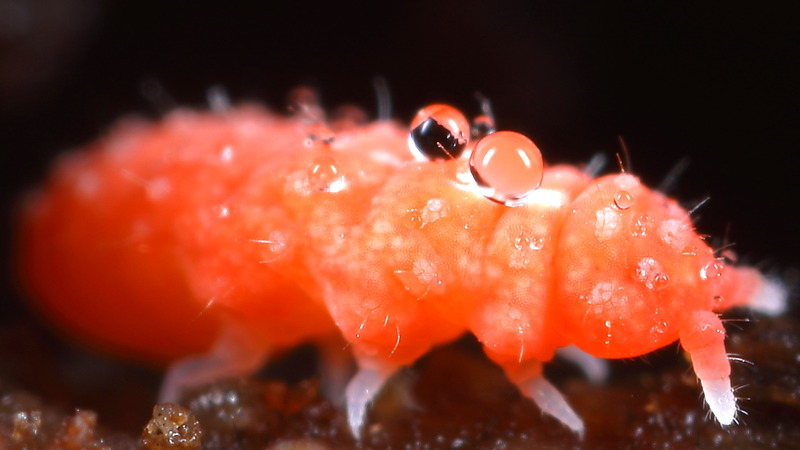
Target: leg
[595,369]
[528,377]
[704,338]
[235,353]
[337,368]
[746,286]
[363,388]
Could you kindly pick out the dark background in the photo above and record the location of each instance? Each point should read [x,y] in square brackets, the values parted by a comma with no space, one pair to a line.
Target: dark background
[674,78]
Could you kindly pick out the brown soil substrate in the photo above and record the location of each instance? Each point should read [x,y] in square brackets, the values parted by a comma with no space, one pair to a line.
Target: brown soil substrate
[452,398]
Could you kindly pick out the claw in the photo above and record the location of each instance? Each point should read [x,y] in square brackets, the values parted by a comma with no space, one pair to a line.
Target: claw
[530,381]
[551,402]
[719,397]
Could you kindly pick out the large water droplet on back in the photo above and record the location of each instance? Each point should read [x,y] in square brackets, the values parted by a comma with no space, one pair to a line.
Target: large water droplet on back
[508,164]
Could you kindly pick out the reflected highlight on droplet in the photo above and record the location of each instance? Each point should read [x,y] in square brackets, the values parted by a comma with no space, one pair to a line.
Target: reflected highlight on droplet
[623,199]
[325,175]
[711,270]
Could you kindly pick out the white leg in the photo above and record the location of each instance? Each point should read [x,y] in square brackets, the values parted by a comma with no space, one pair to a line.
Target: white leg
[595,369]
[704,338]
[550,400]
[360,392]
[235,353]
[530,381]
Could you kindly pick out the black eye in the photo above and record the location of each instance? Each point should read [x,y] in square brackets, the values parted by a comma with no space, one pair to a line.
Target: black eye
[438,132]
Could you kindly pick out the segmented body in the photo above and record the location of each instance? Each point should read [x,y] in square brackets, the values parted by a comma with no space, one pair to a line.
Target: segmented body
[237,233]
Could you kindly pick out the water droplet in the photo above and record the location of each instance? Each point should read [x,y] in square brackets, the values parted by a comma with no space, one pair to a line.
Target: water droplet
[523,242]
[223,211]
[325,175]
[658,329]
[434,210]
[641,225]
[712,269]
[623,199]
[526,246]
[508,164]
[689,251]
[660,281]
[438,132]
[650,272]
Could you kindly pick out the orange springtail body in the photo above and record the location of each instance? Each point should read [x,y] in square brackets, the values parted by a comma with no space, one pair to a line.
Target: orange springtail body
[212,240]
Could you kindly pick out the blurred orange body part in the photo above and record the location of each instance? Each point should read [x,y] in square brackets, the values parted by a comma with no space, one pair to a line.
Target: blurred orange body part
[239,232]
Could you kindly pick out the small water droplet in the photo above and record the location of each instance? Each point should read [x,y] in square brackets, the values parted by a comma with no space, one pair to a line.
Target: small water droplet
[641,225]
[650,272]
[658,329]
[523,242]
[660,281]
[434,210]
[623,199]
[526,246]
[325,175]
[712,269]
[223,211]
[689,251]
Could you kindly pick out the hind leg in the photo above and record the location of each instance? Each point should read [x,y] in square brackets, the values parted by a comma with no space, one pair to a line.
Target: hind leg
[528,377]
[236,352]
